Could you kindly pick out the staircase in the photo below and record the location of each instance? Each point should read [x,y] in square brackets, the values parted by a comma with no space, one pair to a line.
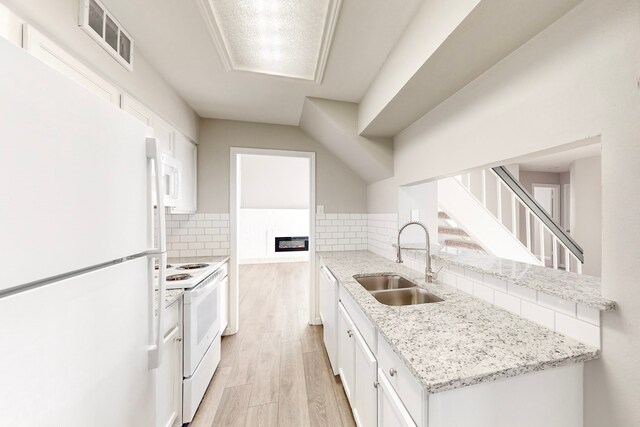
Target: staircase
[489,210]
[451,235]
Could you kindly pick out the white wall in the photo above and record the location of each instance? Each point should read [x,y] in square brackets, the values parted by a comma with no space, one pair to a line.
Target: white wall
[575,80]
[432,24]
[258,228]
[586,211]
[273,182]
[338,188]
[424,198]
[58,20]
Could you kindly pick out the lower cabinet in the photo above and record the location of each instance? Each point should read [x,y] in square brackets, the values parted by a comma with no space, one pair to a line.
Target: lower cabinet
[366,383]
[169,374]
[346,353]
[391,411]
[357,368]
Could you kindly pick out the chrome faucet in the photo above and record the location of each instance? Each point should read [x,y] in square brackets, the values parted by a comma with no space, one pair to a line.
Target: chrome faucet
[429,275]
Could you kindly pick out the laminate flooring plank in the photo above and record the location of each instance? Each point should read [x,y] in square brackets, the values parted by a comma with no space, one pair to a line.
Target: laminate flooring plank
[292,400]
[323,407]
[211,400]
[233,407]
[266,382]
[263,415]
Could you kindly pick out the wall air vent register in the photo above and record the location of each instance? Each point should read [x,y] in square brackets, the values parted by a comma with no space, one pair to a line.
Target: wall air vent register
[96,21]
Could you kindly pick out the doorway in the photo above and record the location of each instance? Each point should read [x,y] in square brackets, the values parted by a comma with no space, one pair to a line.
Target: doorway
[548,196]
[272,215]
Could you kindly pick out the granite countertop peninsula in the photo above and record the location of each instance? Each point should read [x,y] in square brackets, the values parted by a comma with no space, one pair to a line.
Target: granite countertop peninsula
[579,288]
[460,341]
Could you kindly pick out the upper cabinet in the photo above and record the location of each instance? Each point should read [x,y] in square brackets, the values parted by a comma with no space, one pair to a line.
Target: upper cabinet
[162,130]
[60,60]
[179,146]
[186,153]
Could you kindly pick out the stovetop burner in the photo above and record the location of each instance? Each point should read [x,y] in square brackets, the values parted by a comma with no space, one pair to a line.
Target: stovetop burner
[192,266]
[177,277]
[157,267]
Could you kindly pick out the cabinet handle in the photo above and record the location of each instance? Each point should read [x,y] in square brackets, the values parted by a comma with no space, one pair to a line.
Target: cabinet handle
[350,333]
[179,339]
[375,384]
[392,372]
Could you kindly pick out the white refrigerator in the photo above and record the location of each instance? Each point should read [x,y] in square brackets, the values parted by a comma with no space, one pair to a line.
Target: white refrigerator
[79,338]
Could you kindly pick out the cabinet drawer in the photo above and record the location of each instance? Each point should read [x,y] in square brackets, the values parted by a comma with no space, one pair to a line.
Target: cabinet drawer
[171,317]
[364,325]
[402,380]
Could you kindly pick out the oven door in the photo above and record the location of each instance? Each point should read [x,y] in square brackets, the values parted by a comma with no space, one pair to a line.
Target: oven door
[201,320]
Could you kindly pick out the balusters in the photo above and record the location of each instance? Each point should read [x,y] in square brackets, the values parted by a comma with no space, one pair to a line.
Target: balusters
[555,252]
[483,176]
[499,198]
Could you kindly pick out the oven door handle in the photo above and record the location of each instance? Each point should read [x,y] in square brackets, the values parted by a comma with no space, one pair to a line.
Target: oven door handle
[199,290]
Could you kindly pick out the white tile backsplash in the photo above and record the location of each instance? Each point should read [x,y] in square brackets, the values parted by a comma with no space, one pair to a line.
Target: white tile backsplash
[340,232]
[582,331]
[201,234]
[557,304]
[534,312]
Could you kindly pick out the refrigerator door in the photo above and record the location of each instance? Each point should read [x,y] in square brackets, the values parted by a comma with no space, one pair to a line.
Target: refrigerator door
[73,173]
[74,351]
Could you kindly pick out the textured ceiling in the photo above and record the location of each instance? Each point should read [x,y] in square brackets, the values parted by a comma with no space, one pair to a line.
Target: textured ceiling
[173,35]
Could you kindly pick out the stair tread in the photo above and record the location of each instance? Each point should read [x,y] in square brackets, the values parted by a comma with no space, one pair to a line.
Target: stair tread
[463,244]
[443,215]
[454,231]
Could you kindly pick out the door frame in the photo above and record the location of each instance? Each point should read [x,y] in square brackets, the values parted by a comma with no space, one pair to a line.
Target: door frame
[556,198]
[235,152]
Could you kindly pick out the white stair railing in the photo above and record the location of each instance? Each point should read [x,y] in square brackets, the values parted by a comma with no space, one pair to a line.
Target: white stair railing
[511,211]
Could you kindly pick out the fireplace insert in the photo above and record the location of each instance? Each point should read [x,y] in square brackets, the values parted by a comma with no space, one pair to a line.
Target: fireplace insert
[292,244]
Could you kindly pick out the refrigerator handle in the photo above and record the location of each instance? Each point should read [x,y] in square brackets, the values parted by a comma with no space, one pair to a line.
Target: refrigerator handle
[154,349]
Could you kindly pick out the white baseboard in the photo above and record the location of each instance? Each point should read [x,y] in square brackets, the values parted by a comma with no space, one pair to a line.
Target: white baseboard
[273,260]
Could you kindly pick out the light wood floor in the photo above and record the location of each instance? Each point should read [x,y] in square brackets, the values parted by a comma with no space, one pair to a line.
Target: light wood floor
[274,371]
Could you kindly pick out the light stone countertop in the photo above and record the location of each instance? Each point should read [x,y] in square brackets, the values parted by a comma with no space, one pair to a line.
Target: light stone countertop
[579,288]
[458,342]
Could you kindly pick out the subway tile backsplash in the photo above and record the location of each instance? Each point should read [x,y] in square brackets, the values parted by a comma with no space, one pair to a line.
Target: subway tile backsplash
[201,234]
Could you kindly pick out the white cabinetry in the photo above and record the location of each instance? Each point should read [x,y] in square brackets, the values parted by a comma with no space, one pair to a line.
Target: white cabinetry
[346,353]
[59,59]
[365,408]
[187,154]
[162,130]
[328,290]
[391,411]
[169,374]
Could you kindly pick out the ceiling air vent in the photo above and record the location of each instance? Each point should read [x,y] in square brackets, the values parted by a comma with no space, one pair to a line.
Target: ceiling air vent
[96,20]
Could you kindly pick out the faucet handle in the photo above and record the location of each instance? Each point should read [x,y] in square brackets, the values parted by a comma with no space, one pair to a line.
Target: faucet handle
[434,274]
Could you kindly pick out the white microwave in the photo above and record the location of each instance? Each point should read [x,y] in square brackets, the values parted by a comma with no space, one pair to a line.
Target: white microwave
[170,178]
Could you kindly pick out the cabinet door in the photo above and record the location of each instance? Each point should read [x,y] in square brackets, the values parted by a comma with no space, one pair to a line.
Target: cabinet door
[365,409]
[164,133]
[136,109]
[346,353]
[391,411]
[328,313]
[169,381]
[63,62]
[187,154]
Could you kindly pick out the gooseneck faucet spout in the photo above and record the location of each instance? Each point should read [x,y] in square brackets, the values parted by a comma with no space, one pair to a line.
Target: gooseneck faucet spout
[429,275]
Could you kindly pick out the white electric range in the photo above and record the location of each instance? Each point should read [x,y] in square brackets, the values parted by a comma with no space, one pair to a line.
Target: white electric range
[204,305]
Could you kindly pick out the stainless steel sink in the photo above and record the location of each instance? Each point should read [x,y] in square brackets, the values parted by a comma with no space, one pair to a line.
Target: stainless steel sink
[381,282]
[406,297]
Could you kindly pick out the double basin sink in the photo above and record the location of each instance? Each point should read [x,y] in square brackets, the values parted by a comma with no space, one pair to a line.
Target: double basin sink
[392,289]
